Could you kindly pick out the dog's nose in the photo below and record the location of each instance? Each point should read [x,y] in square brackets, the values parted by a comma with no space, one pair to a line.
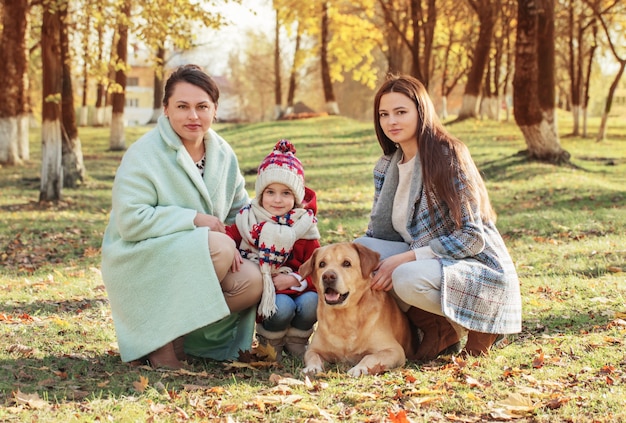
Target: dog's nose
[329,277]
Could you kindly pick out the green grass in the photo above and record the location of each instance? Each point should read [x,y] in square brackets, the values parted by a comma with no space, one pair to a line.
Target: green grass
[564,226]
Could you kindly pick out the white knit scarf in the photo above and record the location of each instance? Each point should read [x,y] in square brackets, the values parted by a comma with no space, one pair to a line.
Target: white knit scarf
[270,239]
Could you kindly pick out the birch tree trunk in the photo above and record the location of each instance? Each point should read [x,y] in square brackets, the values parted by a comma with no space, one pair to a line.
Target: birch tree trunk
[72,153]
[534,95]
[471,98]
[14,108]
[51,136]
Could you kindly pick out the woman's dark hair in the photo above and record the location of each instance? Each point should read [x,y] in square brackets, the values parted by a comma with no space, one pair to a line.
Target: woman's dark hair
[193,74]
[445,159]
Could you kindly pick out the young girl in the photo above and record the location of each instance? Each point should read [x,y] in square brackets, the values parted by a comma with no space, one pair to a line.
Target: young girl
[434,226]
[278,230]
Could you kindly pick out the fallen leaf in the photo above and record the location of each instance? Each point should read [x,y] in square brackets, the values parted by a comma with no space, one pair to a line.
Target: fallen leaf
[377,369]
[23,350]
[279,399]
[30,400]
[517,404]
[473,383]
[267,351]
[238,365]
[399,417]
[279,380]
[141,384]
[538,360]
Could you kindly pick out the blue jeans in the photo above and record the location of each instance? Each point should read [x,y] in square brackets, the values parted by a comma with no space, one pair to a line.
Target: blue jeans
[299,312]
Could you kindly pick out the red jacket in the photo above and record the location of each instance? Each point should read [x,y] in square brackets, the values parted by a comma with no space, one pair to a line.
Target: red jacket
[302,248]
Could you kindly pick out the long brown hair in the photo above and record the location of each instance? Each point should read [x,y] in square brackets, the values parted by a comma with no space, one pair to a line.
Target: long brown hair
[444,158]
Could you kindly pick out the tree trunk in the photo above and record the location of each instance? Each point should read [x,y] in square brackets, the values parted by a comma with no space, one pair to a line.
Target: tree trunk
[415,10]
[534,95]
[329,94]
[396,22]
[592,50]
[98,119]
[83,115]
[291,92]
[471,98]
[118,98]
[51,137]
[609,101]
[157,93]
[278,92]
[72,153]
[573,66]
[14,108]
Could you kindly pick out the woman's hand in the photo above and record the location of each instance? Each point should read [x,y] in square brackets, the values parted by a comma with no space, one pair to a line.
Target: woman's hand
[382,274]
[284,281]
[212,222]
[237,260]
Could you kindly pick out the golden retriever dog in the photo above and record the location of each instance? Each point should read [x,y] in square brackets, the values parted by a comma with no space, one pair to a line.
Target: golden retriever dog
[355,324]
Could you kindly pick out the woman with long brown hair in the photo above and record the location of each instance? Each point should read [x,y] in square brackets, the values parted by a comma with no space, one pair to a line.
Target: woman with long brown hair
[434,226]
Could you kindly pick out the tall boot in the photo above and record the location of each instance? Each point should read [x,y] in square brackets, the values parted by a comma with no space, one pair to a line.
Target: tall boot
[276,339]
[478,343]
[297,340]
[440,337]
[165,357]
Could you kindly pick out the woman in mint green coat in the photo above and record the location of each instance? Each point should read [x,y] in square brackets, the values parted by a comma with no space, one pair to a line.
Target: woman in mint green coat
[173,278]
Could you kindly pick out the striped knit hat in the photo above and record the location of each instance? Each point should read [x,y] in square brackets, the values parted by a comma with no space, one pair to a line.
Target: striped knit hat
[283,167]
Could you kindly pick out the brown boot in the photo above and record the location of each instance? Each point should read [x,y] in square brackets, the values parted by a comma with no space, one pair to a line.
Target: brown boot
[439,335]
[478,343]
[296,341]
[165,357]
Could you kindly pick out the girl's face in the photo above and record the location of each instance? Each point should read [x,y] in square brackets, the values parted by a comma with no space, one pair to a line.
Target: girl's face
[397,115]
[191,111]
[277,199]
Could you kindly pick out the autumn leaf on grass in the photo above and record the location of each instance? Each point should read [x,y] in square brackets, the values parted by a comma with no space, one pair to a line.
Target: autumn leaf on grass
[266,351]
[276,399]
[514,406]
[238,365]
[141,384]
[246,356]
[399,417]
[23,350]
[289,381]
[475,383]
[538,360]
[556,402]
[612,340]
[618,322]
[377,369]
[30,400]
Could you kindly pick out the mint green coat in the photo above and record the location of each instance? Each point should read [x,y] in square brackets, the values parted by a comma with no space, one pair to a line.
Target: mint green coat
[156,264]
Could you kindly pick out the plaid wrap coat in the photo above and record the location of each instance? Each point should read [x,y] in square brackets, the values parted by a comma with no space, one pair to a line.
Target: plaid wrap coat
[480,288]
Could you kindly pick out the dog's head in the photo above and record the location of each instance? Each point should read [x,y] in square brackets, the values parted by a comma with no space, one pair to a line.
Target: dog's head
[341,272]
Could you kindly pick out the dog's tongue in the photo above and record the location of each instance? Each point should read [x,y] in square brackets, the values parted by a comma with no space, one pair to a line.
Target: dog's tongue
[331,295]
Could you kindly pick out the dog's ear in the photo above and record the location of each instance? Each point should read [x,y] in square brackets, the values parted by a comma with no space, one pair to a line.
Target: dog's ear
[307,267]
[368,257]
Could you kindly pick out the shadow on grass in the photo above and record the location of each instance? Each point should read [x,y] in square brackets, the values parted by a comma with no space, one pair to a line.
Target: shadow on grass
[79,376]
[48,308]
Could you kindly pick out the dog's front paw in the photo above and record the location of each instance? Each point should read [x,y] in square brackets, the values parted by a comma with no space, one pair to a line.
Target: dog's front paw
[358,370]
[312,370]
